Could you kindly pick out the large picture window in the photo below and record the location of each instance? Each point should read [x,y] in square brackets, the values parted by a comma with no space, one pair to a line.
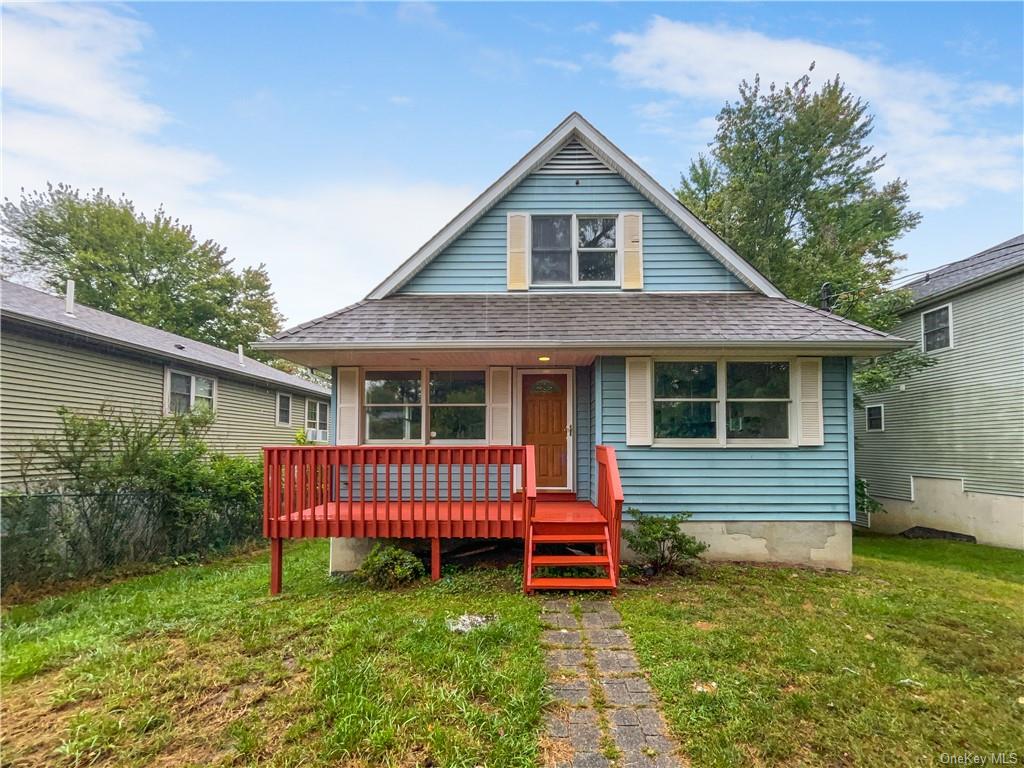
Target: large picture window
[394,405]
[757,400]
[685,400]
[458,405]
[574,249]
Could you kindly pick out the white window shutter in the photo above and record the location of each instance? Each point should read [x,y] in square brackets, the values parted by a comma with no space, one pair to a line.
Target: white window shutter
[811,422]
[639,404]
[499,412]
[632,251]
[516,243]
[348,406]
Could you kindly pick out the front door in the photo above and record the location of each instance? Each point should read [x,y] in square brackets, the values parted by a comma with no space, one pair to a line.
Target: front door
[545,426]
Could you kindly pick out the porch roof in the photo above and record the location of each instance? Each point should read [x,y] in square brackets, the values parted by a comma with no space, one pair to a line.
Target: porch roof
[581,320]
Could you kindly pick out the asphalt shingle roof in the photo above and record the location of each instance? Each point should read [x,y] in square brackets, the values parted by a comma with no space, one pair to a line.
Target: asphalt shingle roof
[597,318]
[960,274]
[27,304]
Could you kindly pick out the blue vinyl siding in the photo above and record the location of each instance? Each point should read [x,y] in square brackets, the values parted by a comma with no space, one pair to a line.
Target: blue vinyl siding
[584,429]
[811,483]
[475,262]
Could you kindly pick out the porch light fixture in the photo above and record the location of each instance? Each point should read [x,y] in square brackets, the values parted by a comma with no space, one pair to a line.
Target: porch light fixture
[544,359]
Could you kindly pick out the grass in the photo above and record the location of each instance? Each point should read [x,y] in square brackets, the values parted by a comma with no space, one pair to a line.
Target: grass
[199,665]
[918,652]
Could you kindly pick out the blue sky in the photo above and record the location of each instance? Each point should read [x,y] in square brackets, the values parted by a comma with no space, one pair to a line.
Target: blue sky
[330,140]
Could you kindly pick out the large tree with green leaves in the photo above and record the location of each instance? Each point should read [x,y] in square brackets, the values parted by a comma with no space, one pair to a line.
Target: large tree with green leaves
[791,182]
[150,269]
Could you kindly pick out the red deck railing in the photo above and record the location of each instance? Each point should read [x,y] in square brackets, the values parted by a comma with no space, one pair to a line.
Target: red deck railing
[609,500]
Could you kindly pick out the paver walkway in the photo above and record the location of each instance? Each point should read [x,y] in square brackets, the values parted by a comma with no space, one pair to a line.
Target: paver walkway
[607,715]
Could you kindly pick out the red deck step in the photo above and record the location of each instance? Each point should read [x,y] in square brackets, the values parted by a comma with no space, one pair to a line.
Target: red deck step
[572,583]
[571,560]
[569,538]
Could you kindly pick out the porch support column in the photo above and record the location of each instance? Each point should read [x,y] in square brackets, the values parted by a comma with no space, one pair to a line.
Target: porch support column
[435,558]
[276,561]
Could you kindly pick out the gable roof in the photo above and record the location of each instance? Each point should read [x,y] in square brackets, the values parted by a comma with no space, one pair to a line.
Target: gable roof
[27,305]
[581,320]
[960,275]
[575,129]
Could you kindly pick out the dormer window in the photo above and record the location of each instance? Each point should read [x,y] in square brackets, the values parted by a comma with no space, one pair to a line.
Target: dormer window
[574,249]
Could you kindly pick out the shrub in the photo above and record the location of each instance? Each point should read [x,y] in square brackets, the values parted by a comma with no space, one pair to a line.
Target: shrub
[865,501]
[661,542]
[389,566]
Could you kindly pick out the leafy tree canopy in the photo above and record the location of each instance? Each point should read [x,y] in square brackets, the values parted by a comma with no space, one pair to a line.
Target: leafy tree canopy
[149,269]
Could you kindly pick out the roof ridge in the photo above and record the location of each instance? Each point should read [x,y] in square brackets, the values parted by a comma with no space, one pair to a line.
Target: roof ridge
[981,257]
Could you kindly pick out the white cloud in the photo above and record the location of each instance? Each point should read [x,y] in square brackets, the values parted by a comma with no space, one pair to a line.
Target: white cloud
[420,12]
[560,64]
[934,128]
[75,112]
[400,101]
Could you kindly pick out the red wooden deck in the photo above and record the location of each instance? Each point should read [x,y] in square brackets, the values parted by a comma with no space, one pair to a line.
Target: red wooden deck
[439,493]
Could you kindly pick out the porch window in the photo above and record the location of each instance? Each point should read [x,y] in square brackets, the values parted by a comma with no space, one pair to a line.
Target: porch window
[316,420]
[571,249]
[937,329]
[757,400]
[685,400]
[394,405]
[458,405]
[187,393]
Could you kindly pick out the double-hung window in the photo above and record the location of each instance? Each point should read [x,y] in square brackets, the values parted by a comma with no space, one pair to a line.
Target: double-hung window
[284,409]
[458,405]
[757,400]
[875,418]
[394,405]
[574,249]
[686,400]
[316,420]
[187,393]
[937,329]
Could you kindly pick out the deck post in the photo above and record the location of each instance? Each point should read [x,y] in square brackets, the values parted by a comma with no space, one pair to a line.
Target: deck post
[276,557]
[435,558]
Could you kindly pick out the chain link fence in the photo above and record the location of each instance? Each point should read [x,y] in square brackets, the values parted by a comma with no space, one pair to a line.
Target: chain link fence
[49,537]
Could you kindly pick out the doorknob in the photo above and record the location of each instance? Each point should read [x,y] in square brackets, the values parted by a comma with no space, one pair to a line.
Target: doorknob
[568,430]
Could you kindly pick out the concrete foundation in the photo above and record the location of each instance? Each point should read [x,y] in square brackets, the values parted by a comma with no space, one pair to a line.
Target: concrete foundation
[348,554]
[941,503]
[814,544]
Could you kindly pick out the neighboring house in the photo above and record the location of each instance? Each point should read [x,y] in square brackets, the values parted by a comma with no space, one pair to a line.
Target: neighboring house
[57,353]
[577,303]
[945,449]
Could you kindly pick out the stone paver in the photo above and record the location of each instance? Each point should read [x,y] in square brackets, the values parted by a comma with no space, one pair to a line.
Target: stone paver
[583,655]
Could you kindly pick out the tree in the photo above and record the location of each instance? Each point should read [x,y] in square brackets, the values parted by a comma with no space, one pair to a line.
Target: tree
[790,183]
[151,270]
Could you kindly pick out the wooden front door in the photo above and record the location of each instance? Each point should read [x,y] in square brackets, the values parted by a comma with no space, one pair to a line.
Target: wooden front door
[545,426]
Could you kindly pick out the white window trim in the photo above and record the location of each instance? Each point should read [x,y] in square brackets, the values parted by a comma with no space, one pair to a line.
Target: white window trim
[291,407]
[949,316]
[721,410]
[574,281]
[192,388]
[305,418]
[424,406]
[867,420]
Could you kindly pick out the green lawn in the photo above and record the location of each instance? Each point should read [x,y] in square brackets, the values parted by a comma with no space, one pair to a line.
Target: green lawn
[199,666]
[918,652]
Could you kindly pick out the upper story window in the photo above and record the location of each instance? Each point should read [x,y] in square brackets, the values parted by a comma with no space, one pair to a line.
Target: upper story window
[284,409]
[937,329]
[574,249]
[187,392]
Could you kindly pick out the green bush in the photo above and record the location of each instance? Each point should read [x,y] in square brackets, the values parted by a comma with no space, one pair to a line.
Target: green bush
[388,566]
[660,541]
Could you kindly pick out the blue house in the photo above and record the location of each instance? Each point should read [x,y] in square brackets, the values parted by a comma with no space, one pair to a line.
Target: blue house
[576,341]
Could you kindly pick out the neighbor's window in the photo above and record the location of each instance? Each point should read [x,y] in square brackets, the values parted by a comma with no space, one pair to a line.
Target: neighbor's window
[394,405]
[757,400]
[458,405]
[937,329]
[284,409]
[572,249]
[685,400]
[316,420]
[189,393]
[875,418]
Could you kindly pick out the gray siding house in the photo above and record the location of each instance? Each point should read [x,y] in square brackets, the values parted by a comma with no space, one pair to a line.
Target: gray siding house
[946,448]
[85,358]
